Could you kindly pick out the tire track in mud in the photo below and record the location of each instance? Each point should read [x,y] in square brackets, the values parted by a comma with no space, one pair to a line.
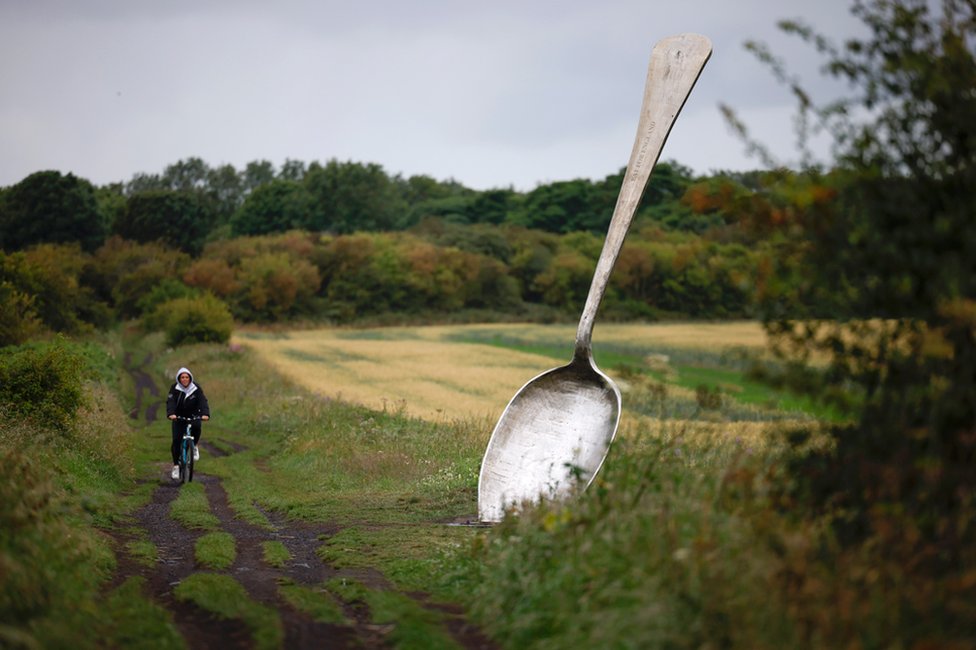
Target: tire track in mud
[175,562]
[143,385]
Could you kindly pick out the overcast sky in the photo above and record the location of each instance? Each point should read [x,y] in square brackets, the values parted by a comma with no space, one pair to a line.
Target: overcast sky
[492,94]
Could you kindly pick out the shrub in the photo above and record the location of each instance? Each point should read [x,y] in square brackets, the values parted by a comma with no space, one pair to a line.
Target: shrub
[18,318]
[42,382]
[205,319]
[39,549]
[168,289]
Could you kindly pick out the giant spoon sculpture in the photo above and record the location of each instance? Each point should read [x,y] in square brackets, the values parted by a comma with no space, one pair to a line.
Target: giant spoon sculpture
[556,431]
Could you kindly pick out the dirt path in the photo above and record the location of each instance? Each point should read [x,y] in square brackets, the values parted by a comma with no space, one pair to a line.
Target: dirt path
[175,551]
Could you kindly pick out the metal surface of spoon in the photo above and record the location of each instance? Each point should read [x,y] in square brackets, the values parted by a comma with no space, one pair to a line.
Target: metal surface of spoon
[556,431]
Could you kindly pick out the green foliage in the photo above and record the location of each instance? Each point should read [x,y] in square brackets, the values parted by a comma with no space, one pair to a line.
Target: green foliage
[277,206]
[42,382]
[167,289]
[660,551]
[261,278]
[19,321]
[128,619]
[566,280]
[41,291]
[278,285]
[127,273]
[353,197]
[52,489]
[35,543]
[181,219]
[202,319]
[58,278]
[883,244]
[398,272]
[566,206]
[48,206]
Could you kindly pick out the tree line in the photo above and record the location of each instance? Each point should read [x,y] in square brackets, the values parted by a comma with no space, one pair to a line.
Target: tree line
[345,241]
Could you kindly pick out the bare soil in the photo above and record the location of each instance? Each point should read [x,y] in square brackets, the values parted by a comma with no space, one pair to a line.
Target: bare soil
[175,548]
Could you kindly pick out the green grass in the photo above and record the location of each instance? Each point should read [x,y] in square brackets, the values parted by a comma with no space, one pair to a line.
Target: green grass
[316,602]
[226,598]
[275,554]
[414,627]
[192,509]
[413,557]
[216,550]
[55,488]
[130,620]
[143,551]
[679,543]
[726,371]
[662,551]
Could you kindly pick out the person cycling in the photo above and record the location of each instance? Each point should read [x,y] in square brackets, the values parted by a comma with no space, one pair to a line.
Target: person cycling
[186,399]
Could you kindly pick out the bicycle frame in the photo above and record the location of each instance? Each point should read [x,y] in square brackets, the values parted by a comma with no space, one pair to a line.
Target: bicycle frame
[186,451]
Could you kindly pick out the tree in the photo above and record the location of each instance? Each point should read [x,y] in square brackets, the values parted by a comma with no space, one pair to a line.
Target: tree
[256,174]
[888,253]
[226,190]
[49,206]
[565,206]
[292,170]
[125,272]
[180,219]
[187,175]
[353,197]
[274,207]
[493,206]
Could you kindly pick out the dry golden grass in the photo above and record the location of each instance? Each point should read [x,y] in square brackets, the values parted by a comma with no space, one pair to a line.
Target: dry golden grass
[424,372]
[431,379]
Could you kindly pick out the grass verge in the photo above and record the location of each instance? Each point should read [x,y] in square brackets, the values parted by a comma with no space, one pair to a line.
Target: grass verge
[226,598]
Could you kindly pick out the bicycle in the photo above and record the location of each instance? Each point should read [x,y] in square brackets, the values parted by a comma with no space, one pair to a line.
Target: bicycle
[187,449]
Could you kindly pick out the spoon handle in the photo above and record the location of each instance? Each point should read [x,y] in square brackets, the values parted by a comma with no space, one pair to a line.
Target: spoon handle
[676,63]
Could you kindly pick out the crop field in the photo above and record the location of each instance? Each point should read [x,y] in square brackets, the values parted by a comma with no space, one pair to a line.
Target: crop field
[669,372]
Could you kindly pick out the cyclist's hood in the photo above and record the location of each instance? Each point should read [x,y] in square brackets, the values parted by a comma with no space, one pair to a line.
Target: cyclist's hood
[190,387]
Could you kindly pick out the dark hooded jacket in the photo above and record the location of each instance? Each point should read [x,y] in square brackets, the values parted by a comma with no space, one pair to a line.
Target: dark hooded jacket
[189,402]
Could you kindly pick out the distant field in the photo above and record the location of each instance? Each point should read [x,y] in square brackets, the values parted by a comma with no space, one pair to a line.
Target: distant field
[472,371]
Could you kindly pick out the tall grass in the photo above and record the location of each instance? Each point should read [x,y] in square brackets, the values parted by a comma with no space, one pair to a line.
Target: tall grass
[664,550]
[56,484]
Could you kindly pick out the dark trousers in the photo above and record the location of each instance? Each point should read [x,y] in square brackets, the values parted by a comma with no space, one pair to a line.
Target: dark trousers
[179,428]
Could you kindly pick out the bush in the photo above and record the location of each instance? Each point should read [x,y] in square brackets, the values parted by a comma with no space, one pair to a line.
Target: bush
[39,550]
[18,318]
[168,289]
[42,382]
[205,319]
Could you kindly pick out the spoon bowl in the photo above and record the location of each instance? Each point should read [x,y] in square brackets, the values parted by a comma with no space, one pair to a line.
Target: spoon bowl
[555,433]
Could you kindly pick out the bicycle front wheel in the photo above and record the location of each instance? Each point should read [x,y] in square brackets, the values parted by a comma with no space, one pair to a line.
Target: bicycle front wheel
[191,448]
[186,458]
